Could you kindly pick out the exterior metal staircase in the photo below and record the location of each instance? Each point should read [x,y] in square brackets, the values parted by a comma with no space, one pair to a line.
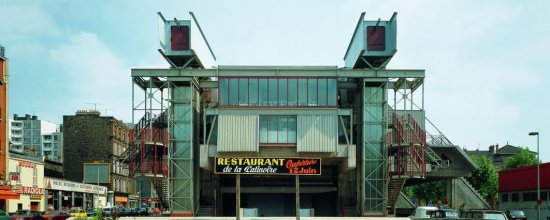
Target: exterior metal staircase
[161,187]
[394,190]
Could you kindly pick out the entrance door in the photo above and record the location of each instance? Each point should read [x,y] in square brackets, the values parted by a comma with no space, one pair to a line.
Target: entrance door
[34,206]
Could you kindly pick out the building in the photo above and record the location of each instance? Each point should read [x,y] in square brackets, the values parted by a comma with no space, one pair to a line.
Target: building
[53,146]
[27,180]
[282,140]
[28,135]
[5,188]
[518,190]
[88,138]
[497,154]
[63,194]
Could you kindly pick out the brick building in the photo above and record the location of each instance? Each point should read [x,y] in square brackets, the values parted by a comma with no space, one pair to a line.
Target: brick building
[89,137]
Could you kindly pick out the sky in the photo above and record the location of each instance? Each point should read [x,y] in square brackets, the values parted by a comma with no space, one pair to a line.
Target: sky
[486,62]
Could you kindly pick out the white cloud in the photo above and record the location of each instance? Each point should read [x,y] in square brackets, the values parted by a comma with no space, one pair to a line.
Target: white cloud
[25,21]
[95,75]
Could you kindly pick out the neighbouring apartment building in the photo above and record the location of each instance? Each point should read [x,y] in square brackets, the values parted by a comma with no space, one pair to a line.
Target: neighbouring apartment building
[497,154]
[28,135]
[88,138]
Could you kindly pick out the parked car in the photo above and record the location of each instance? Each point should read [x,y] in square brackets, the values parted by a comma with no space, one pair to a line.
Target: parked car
[91,212]
[444,213]
[26,215]
[484,214]
[109,211]
[125,212]
[4,215]
[422,212]
[78,213]
[516,215]
[143,212]
[56,215]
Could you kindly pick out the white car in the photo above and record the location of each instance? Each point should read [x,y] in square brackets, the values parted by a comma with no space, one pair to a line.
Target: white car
[422,212]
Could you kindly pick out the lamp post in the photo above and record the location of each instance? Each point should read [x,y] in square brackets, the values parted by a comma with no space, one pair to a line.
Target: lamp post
[538,173]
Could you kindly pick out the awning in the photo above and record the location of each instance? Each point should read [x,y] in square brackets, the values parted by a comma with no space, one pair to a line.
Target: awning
[6,193]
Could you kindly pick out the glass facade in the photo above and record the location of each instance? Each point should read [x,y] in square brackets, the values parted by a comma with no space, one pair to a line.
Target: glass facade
[299,92]
[277,129]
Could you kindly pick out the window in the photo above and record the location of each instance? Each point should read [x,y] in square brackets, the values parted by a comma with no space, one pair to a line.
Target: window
[243,91]
[253,92]
[504,197]
[544,195]
[34,176]
[18,170]
[272,88]
[179,38]
[292,92]
[530,196]
[277,91]
[277,129]
[515,197]
[312,92]
[55,137]
[376,38]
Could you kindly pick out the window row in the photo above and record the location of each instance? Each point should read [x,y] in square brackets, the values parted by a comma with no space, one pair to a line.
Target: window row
[278,91]
[526,196]
[278,129]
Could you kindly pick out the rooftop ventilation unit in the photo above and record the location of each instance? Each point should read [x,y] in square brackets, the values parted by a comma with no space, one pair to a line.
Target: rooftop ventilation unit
[183,43]
[373,44]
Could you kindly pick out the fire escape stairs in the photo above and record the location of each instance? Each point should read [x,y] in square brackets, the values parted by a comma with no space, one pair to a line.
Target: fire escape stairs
[420,137]
[395,185]
[161,187]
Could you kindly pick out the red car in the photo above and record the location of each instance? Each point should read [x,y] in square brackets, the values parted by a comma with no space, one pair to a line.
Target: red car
[26,215]
[56,215]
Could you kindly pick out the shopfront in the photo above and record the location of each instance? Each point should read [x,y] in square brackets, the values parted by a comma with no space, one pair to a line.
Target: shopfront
[27,180]
[64,194]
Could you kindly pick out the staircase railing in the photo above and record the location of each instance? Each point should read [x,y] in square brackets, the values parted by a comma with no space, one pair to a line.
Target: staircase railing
[399,126]
[480,202]
[160,185]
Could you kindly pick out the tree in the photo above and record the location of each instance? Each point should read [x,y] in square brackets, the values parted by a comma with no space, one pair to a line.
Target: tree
[430,192]
[522,158]
[485,178]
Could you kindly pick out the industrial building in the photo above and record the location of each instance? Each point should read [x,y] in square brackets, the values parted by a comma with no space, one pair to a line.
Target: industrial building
[522,195]
[285,140]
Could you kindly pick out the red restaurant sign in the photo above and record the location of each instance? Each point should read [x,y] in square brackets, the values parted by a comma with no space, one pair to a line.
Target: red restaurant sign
[32,190]
[26,164]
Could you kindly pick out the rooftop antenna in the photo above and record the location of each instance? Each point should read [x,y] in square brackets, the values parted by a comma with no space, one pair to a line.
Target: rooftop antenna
[95,105]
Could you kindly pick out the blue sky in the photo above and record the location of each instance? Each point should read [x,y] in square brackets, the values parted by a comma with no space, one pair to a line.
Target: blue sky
[486,62]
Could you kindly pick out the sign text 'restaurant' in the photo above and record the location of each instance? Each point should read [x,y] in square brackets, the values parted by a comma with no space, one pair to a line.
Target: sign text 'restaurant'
[268,166]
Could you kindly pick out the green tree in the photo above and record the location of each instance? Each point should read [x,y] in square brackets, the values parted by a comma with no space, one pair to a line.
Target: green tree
[485,179]
[430,192]
[522,158]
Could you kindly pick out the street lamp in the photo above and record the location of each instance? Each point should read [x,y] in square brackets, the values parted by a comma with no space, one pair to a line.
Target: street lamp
[536,133]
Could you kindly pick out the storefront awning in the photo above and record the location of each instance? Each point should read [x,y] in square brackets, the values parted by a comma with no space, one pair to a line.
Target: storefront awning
[6,193]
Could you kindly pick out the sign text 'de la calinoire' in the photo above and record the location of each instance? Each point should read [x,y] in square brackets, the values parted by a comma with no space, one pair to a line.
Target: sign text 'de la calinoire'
[267,166]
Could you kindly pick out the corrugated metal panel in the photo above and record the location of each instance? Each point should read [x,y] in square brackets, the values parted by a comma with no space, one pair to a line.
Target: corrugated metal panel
[317,133]
[237,133]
